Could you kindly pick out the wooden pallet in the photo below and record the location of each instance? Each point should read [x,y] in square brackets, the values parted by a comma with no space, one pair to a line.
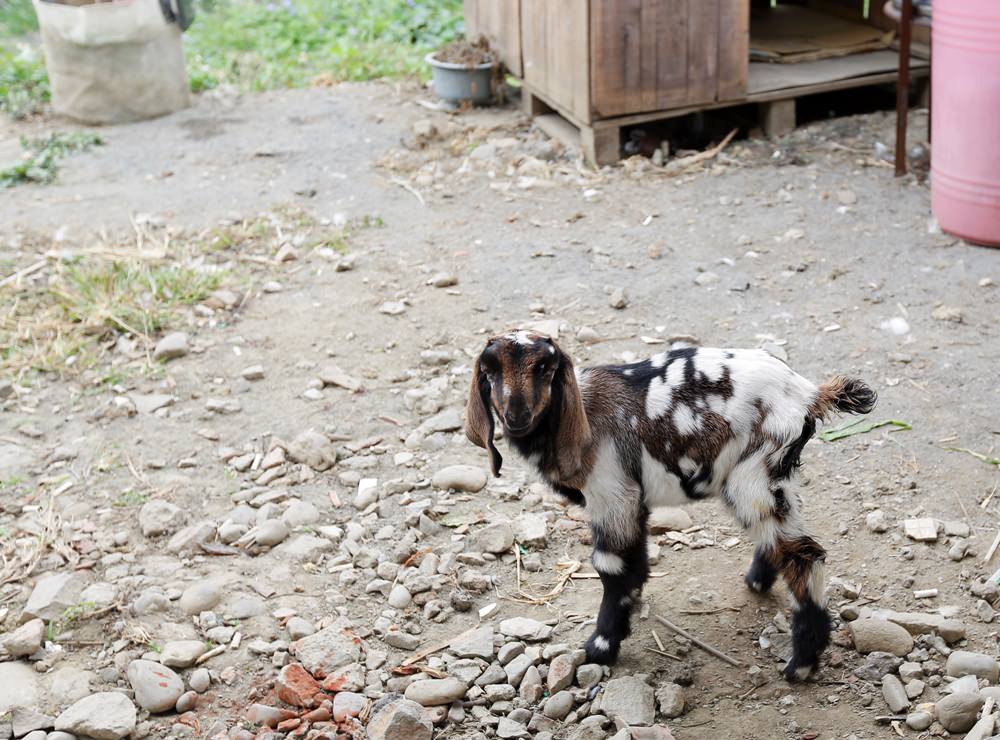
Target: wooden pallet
[773,87]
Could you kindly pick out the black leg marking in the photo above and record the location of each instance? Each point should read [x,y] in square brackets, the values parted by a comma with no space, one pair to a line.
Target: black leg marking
[762,574]
[623,572]
[810,636]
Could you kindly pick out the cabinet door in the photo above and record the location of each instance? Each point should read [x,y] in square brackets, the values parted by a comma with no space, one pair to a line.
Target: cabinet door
[649,55]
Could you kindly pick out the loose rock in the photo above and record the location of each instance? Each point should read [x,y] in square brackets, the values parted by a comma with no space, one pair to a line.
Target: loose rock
[494,538]
[156,687]
[957,712]
[398,719]
[875,634]
[965,663]
[629,699]
[108,715]
[25,640]
[171,346]
[435,691]
[460,478]
[895,694]
[523,628]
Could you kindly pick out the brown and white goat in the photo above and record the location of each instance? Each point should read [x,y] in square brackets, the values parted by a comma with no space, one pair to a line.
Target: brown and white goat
[680,426]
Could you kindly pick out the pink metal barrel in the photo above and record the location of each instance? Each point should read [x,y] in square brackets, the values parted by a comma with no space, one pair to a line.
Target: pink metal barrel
[965,85]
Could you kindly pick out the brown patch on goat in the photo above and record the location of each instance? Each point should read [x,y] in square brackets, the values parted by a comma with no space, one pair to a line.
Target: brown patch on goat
[795,559]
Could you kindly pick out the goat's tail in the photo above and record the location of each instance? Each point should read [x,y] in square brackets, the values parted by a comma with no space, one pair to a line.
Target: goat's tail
[850,395]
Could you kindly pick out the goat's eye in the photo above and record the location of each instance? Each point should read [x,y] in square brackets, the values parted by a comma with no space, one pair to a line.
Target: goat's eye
[543,367]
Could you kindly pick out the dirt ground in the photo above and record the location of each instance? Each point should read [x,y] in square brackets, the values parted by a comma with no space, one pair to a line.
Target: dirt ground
[806,243]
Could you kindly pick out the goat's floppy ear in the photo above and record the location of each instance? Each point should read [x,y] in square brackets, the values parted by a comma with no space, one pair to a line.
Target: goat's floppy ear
[479,422]
[574,429]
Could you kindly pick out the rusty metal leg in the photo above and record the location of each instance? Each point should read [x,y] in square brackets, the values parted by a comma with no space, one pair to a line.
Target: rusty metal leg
[903,85]
[930,85]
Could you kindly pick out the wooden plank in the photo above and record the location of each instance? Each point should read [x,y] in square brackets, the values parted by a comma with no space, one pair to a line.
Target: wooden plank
[559,128]
[765,77]
[734,49]
[500,22]
[555,48]
[671,51]
[778,117]
[639,56]
[921,70]
[703,50]
[616,38]
[601,146]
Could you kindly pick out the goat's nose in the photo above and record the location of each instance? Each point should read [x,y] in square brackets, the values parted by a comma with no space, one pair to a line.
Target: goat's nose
[517,419]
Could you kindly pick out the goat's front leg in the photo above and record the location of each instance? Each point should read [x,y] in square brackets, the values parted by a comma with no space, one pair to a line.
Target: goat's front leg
[621,559]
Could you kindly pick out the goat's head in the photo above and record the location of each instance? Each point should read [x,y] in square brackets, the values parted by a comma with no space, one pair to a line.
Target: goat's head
[524,378]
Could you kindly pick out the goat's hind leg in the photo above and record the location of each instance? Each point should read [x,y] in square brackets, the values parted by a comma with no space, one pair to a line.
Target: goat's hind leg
[770,509]
[623,565]
[801,558]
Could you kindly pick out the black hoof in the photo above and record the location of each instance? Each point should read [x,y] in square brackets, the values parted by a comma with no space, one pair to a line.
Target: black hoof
[761,575]
[795,671]
[601,649]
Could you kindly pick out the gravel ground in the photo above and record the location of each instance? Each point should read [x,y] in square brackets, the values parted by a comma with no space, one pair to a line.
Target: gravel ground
[268,525]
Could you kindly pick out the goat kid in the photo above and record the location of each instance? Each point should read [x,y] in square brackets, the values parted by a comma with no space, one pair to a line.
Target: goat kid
[683,425]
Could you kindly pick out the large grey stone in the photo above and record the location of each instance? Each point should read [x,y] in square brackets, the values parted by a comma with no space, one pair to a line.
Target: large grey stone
[108,715]
[171,346]
[957,712]
[917,623]
[24,720]
[477,643]
[629,699]
[156,687]
[201,596]
[25,640]
[872,635]
[524,628]
[895,694]
[965,663]
[460,478]
[70,684]
[20,686]
[435,691]
[495,538]
[182,653]
[324,652]
[160,517]
[52,595]
[396,718]
[313,449]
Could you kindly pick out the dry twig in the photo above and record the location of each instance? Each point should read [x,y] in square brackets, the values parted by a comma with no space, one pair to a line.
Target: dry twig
[703,645]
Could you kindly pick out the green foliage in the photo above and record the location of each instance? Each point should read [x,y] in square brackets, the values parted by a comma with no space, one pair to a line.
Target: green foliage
[296,43]
[42,163]
[131,498]
[69,618]
[17,18]
[259,45]
[24,84]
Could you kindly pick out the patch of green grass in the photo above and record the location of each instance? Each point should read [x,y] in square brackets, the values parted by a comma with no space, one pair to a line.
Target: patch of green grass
[69,618]
[60,324]
[42,164]
[131,498]
[132,296]
[297,43]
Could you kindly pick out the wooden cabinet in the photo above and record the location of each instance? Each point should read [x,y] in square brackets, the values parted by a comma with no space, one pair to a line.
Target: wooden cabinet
[598,59]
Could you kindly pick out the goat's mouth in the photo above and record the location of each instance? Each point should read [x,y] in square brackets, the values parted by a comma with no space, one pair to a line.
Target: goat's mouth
[518,431]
